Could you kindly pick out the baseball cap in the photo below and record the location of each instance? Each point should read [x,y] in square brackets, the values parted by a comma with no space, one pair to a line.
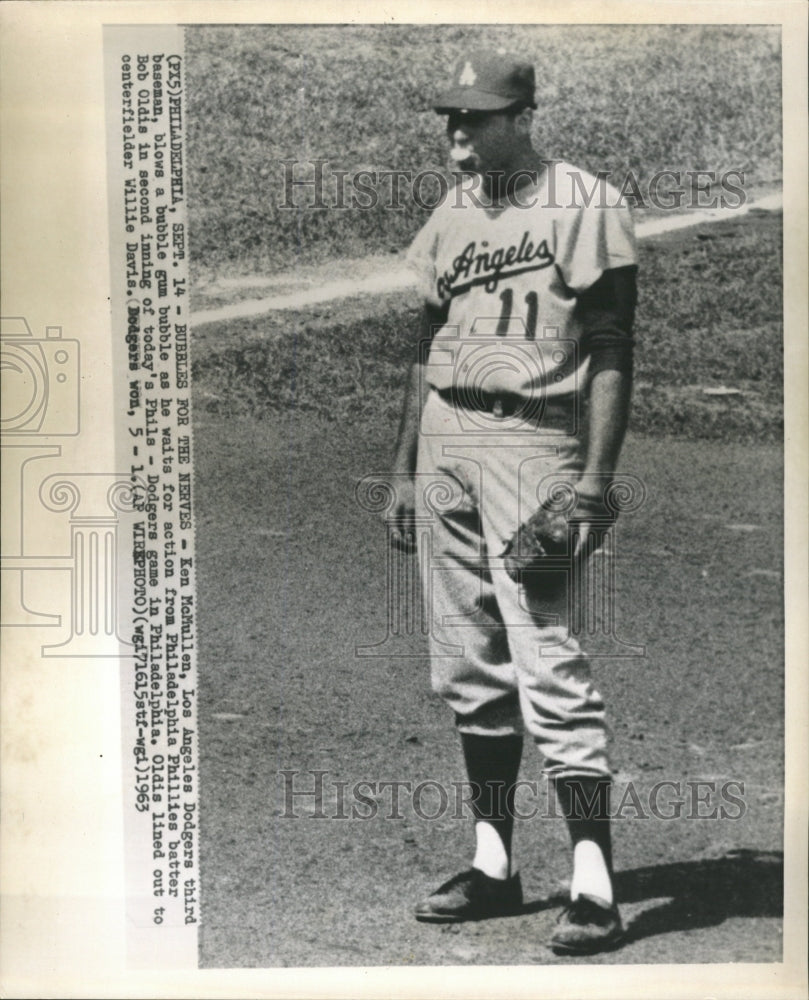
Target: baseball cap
[488,81]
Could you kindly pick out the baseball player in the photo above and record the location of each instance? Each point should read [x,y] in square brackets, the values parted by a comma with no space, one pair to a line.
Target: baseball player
[524,392]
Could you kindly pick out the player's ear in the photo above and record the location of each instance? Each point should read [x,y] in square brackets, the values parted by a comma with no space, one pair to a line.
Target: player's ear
[524,120]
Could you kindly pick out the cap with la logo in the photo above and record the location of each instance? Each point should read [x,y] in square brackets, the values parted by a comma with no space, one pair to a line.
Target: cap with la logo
[488,81]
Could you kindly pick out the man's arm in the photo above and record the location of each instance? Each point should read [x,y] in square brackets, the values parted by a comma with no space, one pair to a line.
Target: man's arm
[406,451]
[404,456]
[607,313]
[610,392]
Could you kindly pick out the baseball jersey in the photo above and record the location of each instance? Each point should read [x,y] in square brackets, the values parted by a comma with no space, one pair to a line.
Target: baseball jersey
[508,278]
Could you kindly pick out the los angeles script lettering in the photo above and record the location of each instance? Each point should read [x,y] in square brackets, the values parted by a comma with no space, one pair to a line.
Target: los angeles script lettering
[488,268]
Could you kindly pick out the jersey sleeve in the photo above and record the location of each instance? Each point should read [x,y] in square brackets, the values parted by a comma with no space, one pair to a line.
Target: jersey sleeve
[421,259]
[591,240]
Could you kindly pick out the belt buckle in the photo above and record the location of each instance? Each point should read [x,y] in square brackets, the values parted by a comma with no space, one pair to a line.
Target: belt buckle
[498,409]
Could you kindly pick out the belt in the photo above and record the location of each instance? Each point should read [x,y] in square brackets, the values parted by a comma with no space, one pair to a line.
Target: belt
[499,404]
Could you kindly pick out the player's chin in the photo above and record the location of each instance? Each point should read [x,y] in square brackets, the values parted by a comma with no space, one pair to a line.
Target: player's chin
[469,165]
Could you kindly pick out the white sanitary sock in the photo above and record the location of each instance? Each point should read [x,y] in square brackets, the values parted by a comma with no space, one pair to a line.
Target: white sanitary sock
[590,874]
[490,854]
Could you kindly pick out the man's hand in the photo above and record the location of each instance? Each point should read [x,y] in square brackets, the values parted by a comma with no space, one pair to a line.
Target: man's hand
[590,508]
[403,516]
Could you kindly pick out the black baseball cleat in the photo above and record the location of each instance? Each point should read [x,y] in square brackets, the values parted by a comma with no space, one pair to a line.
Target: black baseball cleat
[587,925]
[471,895]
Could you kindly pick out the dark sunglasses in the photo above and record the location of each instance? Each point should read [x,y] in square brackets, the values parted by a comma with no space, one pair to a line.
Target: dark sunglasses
[457,117]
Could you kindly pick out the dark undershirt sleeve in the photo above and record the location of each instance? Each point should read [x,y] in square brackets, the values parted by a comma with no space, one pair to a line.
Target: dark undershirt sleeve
[433,317]
[606,312]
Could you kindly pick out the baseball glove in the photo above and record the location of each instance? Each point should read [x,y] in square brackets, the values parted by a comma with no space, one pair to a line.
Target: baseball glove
[545,534]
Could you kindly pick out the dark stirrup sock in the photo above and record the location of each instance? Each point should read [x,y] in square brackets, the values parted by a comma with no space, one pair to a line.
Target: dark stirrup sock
[492,764]
[585,804]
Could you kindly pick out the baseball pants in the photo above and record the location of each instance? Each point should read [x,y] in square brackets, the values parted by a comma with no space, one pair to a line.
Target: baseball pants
[503,659]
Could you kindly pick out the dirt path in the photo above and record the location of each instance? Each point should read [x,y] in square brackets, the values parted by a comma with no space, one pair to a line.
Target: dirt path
[375,276]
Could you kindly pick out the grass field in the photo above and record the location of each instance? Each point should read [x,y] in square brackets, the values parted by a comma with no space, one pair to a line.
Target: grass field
[616,98]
